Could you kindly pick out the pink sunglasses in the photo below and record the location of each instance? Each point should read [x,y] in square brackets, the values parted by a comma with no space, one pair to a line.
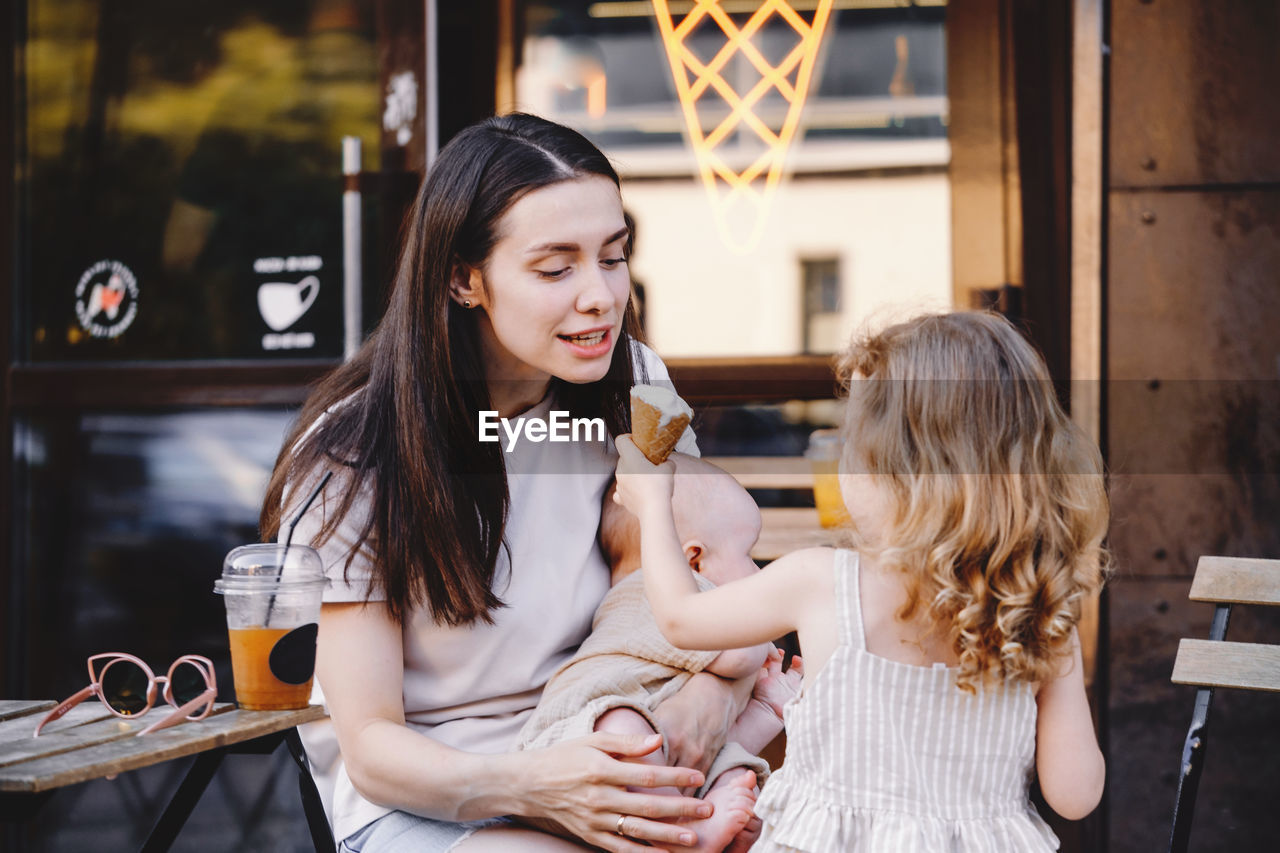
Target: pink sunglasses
[127,686]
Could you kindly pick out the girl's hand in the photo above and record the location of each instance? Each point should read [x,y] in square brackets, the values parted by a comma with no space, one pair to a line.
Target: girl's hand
[581,785]
[641,484]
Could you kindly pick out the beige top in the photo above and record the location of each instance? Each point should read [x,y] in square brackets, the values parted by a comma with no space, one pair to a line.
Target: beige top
[883,755]
[474,687]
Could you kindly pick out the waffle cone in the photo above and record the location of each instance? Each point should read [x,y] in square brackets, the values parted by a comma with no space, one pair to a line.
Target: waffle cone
[656,426]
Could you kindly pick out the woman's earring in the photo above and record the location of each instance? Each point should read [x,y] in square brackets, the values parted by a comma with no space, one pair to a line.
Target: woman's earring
[466,303]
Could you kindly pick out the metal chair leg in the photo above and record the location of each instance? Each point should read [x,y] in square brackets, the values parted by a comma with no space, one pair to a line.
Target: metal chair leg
[1193,749]
[317,820]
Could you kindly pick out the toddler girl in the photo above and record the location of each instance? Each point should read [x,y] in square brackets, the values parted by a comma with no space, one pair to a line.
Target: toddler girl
[942,661]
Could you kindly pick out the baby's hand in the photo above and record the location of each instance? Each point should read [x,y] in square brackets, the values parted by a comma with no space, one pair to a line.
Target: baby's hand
[775,687]
[640,482]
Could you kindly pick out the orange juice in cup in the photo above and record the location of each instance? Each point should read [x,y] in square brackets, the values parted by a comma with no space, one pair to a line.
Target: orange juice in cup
[257,687]
[272,593]
[824,460]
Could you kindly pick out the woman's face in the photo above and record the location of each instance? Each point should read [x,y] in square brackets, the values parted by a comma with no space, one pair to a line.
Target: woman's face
[554,288]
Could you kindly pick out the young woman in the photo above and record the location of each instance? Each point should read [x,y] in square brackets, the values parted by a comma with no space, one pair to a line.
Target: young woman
[464,572]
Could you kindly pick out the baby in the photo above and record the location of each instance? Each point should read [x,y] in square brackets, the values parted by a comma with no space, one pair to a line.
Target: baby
[625,668]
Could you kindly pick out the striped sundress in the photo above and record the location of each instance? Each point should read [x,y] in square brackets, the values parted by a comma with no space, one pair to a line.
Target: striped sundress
[886,756]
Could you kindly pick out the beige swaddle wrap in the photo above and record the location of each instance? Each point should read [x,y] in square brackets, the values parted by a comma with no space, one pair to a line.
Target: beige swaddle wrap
[624,663]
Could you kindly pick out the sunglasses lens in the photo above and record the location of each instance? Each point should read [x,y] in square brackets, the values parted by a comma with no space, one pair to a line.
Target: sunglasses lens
[124,687]
[187,682]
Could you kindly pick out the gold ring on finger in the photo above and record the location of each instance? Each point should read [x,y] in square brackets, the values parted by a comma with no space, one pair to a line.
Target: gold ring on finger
[621,818]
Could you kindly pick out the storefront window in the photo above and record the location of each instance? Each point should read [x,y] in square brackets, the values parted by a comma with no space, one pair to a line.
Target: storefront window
[181,176]
[126,518]
[122,524]
[754,137]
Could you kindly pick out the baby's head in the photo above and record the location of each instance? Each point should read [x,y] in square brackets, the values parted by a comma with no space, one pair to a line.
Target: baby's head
[980,488]
[716,520]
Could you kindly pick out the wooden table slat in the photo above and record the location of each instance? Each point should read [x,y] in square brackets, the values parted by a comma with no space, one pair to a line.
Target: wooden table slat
[78,731]
[10,708]
[17,743]
[130,753]
[788,529]
[767,472]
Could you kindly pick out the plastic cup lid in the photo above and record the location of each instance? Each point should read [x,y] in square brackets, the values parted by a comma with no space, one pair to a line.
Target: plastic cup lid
[271,567]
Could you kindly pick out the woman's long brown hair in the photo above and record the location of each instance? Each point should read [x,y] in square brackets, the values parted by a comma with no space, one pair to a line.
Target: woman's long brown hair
[398,422]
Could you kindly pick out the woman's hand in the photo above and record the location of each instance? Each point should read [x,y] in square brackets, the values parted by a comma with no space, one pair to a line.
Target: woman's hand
[582,786]
[697,719]
[641,484]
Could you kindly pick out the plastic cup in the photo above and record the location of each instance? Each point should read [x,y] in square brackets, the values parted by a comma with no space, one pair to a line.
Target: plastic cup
[273,616]
[824,460]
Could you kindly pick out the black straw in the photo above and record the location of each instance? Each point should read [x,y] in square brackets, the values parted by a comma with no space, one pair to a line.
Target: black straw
[288,538]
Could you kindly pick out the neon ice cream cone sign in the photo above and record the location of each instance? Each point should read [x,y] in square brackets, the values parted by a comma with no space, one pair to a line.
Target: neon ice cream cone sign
[741,189]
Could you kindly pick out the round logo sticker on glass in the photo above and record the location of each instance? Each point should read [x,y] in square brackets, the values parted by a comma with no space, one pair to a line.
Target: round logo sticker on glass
[107,299]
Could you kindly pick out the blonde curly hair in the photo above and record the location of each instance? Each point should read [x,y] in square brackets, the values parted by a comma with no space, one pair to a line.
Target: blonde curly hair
[998,506]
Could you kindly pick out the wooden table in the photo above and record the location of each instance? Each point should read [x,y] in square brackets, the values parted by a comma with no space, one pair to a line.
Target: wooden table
[789,529]
[91,743]
[785,529]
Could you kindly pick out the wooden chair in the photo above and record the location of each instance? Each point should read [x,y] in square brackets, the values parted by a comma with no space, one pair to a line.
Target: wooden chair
[1214,662]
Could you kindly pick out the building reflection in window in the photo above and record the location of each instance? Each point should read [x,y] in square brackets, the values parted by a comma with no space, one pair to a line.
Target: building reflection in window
[197,148]
[128,519]
[867,186]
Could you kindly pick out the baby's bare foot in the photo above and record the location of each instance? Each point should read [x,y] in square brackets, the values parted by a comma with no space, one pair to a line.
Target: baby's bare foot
[733,795]
[749,835]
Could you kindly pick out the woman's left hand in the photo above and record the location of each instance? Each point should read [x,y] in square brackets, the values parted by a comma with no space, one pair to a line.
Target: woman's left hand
[641,483]
[696,721]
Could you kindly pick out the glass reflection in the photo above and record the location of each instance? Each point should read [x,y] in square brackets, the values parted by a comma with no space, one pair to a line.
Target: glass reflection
[181,157]
[728,263]
[130,516]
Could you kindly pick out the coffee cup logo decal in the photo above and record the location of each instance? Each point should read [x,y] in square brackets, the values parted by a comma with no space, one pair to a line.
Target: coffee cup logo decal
[282,303]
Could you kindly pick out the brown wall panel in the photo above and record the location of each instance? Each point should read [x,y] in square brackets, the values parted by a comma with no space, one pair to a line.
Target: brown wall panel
[1194,285]
[1193,92]
[1193,407]
[1162,524]
[1194,368]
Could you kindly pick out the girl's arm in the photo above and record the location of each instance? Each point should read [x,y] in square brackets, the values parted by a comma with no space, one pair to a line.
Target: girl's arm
[740,663]
[1070,764]
[756,609]
[576,784]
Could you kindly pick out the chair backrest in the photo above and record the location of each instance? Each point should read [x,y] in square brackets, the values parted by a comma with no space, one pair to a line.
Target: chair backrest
[1218,663]
[1212,663]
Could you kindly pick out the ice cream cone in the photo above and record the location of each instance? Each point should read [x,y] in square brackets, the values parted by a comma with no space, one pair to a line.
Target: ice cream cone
[658,419]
